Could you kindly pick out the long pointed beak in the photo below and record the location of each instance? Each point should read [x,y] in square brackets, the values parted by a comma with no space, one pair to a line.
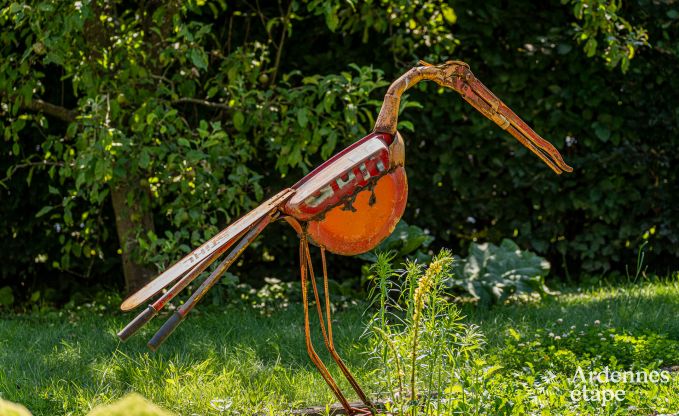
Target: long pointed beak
[460,78]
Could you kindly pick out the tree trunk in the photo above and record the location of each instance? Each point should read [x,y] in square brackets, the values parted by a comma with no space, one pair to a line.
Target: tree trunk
[128,218]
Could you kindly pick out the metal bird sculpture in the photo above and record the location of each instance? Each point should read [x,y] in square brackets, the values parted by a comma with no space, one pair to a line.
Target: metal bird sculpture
[346,206]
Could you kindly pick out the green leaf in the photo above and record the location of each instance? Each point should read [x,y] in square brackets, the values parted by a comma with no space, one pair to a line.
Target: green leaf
[44,210]
[183,142]
[100,169]
[331,18]
[198,58]
[602,132]
[6,296]
[448,14]
[239,121]
[406,125]
[302,117]
[144,159]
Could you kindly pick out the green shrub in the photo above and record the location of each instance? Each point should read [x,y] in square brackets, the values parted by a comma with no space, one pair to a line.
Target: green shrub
[427,356]
[198,120]
[494,273]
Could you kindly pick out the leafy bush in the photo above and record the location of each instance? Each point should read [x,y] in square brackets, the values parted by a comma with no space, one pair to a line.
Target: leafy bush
[493,273]
[425,354]
[190,113]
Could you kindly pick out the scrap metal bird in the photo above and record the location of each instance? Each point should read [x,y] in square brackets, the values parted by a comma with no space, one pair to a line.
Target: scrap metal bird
[346,206]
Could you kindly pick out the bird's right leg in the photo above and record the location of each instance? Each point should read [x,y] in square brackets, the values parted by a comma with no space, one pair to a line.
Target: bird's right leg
[327,335]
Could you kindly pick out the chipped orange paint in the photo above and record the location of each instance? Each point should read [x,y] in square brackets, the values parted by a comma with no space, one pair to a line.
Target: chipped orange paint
[370,219]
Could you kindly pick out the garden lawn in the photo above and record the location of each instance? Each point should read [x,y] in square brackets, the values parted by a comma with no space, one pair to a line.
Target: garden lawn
[239,361]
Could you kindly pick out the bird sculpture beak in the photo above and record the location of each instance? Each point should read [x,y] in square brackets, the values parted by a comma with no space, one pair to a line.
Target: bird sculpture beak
[457,76]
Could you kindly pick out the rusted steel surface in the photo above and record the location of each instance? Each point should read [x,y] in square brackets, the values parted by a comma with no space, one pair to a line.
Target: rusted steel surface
[346,206]
[365,220]
[457,76]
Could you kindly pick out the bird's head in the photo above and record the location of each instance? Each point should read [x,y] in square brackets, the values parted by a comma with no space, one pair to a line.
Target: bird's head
[457,76]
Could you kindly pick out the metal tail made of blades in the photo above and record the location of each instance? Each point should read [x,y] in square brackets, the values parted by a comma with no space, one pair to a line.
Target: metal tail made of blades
[179,315]
[216,243]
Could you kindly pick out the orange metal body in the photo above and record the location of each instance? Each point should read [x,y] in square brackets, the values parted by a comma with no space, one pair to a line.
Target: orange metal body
[353,201]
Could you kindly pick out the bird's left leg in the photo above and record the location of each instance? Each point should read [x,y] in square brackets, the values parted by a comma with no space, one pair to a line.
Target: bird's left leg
[327,335]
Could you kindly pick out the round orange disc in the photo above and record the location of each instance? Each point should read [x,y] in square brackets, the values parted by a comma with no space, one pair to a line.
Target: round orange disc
[375,214]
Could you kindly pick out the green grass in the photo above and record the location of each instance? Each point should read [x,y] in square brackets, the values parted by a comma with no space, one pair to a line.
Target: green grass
[651,306]
[67,362]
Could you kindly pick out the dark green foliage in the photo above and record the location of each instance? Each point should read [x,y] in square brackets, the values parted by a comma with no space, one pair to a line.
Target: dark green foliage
[201,109]
[405,242]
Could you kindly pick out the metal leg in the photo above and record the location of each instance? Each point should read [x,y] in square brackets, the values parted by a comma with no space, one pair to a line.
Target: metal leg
[307,332]
[331,345]
[327,336]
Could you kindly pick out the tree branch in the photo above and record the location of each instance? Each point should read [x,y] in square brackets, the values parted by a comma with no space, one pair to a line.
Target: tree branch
[279,49]
[53,110]
[201,102]
[67,115]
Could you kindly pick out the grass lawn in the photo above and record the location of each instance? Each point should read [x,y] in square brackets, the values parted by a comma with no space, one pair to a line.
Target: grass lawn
[67,362]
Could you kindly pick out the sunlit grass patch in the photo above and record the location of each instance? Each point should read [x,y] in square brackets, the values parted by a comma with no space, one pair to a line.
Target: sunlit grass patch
[234,360]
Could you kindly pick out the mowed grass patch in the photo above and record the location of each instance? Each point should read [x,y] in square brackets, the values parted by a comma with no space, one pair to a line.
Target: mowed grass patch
[235,360]
[231,360]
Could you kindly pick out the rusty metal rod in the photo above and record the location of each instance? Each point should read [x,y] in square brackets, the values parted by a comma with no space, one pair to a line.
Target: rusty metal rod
[149,313]
[179,315]
[303,264]
[134,325]
[327,331]
[330,345]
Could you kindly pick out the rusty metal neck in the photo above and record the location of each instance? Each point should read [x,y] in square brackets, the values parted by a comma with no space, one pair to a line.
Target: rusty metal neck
[443,75]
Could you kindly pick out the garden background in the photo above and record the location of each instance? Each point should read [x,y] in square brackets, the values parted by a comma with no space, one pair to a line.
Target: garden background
[134,131]
[193,113]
